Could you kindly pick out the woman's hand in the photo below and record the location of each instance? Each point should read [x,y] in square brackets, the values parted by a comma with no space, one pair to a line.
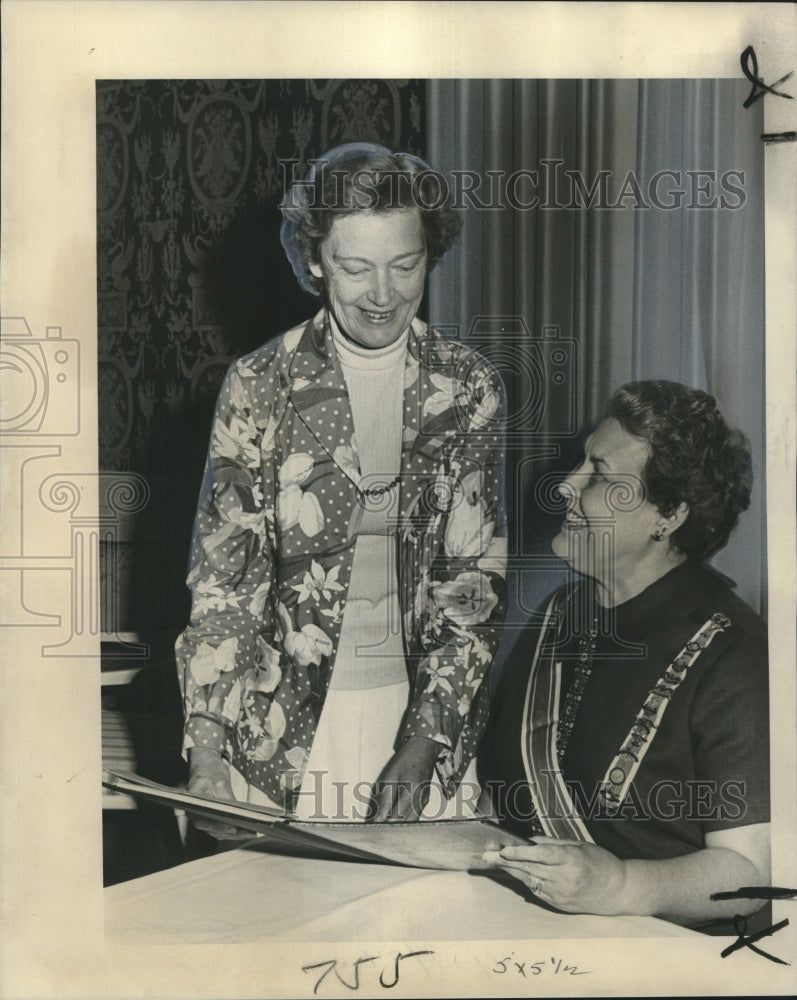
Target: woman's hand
[584,878]
[209,778]
[572,876]
[402,789]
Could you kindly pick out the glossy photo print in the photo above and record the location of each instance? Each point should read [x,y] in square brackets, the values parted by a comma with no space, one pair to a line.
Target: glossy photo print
[401,471]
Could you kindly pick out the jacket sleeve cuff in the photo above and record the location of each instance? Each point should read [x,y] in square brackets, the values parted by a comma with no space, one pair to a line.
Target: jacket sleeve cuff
[424,718]
[206,731]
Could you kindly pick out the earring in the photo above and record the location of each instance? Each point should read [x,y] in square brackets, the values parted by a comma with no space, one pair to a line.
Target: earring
[659,535]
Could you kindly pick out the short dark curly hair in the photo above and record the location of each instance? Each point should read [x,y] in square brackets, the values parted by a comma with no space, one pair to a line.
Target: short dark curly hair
[363,177]
[694,457]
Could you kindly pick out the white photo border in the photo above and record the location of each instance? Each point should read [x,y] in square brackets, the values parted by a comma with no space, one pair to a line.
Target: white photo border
[53,54]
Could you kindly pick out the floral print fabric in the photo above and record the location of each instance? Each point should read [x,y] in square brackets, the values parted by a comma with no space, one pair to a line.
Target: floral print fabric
[273,544]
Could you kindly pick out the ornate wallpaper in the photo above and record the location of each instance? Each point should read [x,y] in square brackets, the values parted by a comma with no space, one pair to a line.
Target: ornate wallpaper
[187,173]
[191,273]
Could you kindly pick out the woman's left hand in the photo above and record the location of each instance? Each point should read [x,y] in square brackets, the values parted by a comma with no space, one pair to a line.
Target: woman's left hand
[572,876]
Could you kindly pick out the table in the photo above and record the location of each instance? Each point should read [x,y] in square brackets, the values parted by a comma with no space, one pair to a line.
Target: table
[249,894]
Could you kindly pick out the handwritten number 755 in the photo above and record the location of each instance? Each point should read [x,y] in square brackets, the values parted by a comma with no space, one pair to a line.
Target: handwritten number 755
[331,965]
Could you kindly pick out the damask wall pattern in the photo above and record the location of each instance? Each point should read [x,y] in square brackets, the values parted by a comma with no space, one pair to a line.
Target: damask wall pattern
[191,275]
[180,164]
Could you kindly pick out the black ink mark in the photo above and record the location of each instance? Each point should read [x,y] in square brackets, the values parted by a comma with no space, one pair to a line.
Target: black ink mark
[769,137]
[747,942]
[503,966]
[759,88]
[399,956]
[308,968]
[757,892]
[574,970]
[332,964]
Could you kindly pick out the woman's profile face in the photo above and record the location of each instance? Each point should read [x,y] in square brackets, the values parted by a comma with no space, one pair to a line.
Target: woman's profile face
[607,533]
[373,265]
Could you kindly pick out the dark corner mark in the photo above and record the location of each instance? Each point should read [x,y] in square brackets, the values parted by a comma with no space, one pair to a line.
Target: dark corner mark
[744,941]
[760,89]
[770,137]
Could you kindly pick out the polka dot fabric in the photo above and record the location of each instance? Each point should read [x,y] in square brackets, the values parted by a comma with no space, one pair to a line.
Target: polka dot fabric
[273,543]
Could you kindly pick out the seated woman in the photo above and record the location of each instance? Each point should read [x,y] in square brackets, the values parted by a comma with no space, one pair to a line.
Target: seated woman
[630,733]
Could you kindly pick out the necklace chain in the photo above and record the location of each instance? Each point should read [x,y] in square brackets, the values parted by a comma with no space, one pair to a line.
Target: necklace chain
[583,671]
[378,491]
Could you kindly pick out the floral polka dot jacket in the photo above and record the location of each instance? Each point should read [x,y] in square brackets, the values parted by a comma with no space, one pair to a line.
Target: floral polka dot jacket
[273,544]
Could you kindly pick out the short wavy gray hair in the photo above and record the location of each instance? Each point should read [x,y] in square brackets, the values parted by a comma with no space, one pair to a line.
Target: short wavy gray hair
[356,177]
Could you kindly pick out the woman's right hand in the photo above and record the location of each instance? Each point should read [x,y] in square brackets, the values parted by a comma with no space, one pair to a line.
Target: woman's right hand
[209,778]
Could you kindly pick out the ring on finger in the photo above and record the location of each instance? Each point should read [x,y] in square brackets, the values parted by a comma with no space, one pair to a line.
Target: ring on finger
[537,887]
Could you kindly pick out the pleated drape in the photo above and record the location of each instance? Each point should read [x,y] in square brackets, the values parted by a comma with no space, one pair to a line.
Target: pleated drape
[669,286]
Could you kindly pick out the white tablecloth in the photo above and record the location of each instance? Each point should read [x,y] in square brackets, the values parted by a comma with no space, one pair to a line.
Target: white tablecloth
[249,895]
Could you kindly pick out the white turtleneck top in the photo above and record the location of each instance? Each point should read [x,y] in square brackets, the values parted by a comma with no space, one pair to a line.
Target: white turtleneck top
[371,649]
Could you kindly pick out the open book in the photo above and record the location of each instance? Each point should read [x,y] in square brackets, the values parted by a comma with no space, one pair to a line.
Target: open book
[454,844]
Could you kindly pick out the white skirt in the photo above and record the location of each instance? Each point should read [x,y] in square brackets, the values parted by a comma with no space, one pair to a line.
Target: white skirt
[354,741]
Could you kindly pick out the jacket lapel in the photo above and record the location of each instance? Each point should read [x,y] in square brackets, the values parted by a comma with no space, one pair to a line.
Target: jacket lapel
[320,398]
[432,411]
[430,426]
[430,392]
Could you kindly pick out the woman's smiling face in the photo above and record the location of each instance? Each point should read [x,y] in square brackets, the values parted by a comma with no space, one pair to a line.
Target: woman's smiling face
[373,265]
[607,533]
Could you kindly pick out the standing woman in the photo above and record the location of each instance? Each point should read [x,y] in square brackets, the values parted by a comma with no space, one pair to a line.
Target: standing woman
[349,547]
[631,735]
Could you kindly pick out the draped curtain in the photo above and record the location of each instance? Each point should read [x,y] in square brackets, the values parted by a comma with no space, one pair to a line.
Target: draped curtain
[637,274]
